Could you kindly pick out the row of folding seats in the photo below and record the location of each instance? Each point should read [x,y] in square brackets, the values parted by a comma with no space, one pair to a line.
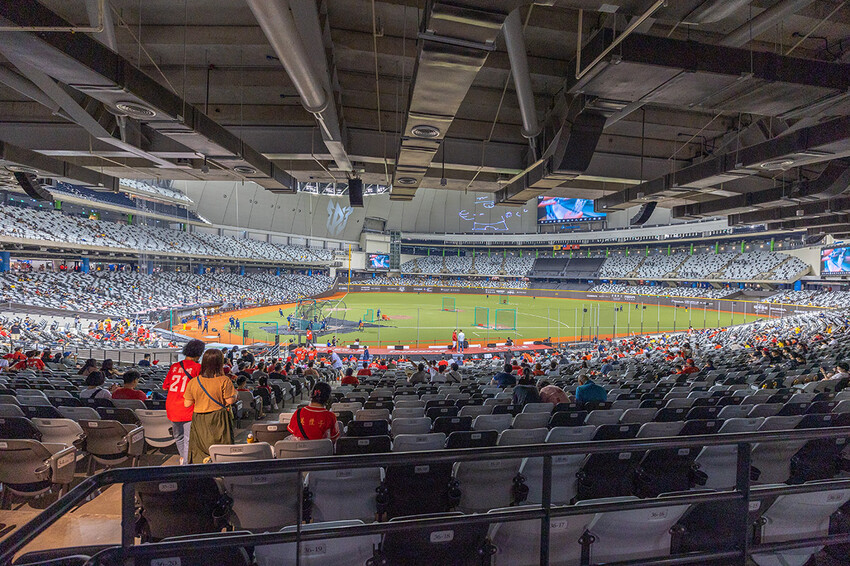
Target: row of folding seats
[609,536]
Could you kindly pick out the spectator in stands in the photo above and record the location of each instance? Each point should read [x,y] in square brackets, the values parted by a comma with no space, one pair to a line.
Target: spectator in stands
[108,368]
[4,364]
[94,387]
[210,396]
[440,375]
[349,378]
[842,371]
[33,361]
[89,367]
[453,375]
[690,367]
[146,361]
[364,371]
[551,393]
[175,383]
[505,378]
[242,384]
[17,354]
[420,375]
[590,392]
[311,373]
[336,362]
[260,372]
[315,421]
[129,391]
[265,392]
[525,391]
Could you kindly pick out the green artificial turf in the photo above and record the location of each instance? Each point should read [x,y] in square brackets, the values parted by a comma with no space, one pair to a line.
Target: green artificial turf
[420,319]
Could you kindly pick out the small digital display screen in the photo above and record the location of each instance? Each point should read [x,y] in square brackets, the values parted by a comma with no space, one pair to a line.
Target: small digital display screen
[379,261]
[555,210]
[835,261]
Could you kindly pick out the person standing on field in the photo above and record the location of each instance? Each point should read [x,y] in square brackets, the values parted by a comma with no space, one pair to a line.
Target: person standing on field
[454,339]
[460,339]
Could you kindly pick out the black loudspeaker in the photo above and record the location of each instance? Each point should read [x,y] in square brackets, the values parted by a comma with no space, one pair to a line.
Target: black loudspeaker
[277,339]
[355,193]
[32,187]
[643,214]
[813,239]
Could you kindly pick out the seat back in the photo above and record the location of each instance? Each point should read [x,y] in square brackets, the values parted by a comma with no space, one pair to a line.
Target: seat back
[363,445]
[18,428]
[492,422]
[516,437]
[531,420]
[448,425]
[294,448]
[368,428]
[329,552]
[59,431]
[420,425]
[411,442]
[221,453]
[472,439]
[79,413]
[269,432]
[180,507]
[435,545]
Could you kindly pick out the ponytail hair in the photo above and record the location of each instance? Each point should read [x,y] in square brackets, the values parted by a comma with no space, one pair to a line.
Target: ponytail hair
[321,393]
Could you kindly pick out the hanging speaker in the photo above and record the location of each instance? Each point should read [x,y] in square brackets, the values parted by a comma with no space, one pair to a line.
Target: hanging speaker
[355,193]
[32,187]
[809,240]
[643,214]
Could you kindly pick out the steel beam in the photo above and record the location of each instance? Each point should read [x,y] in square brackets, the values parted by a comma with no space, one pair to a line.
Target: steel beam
[818,143]
[91,68]
[804,210]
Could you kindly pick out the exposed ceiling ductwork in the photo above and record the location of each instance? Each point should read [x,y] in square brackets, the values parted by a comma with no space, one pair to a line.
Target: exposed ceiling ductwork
[707,77]
[515,44]
[307,70]
[822,223]
[818,143]
[455,39]
[764,21]
[87,66]
[797,211]
[834,180]
[567,157]
[15,159]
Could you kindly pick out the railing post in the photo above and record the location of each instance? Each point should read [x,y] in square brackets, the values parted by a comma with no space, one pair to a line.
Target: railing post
[300,518]
[742,486]
[128,512]
[547,504]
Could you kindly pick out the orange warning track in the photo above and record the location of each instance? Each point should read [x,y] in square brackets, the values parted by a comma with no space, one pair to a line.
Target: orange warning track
[221,321]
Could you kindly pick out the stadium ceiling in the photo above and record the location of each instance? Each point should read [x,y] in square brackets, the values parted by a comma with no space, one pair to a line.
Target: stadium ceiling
[692,103]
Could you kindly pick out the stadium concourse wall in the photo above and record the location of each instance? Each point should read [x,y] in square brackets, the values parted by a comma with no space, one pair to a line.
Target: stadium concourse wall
[773,310]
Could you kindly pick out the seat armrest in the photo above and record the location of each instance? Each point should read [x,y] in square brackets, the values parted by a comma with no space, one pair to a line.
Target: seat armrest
[135,440]
[62,465]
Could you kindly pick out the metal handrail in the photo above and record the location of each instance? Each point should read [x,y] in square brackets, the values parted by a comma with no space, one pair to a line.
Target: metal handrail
[129,476]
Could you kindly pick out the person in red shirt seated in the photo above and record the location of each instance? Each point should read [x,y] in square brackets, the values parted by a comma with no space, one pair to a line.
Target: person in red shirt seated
[349,378]
[16,355]
[690,367]
[315,421]
[365,371]
[129,391]
[175,383]
[32,361]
